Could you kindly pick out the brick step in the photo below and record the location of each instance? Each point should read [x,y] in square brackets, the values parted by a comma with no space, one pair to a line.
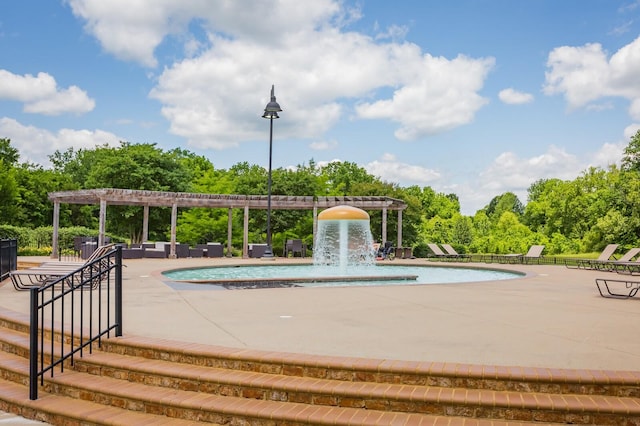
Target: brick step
[159,377]
[61,410]
[105,400]
[487,377]
[379,396]
[499,378]
[225,385]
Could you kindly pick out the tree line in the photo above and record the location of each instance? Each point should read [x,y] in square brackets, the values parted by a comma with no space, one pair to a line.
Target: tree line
[599,207]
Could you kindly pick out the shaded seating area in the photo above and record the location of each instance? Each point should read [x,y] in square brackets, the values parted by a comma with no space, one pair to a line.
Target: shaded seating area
[146,200]
[162,250]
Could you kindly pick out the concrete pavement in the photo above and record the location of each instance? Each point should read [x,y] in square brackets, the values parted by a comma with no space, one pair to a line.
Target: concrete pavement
[553,317]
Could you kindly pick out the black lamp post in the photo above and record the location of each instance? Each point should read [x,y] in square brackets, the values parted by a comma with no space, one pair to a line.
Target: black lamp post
[270,112]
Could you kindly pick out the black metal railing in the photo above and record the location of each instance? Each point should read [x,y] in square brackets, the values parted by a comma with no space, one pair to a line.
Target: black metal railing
[505,259]
[8,257]
[72,313]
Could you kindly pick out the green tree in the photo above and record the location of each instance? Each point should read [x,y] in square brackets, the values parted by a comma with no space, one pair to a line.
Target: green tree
[340,176]
[33,205]
[8,155]
[544,211]
[507,202]
[8,193]
[631,157]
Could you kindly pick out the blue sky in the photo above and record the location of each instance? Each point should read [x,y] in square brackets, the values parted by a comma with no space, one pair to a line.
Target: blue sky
[472,97]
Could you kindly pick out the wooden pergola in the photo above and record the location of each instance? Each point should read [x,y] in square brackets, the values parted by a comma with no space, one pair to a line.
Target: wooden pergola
[147,199]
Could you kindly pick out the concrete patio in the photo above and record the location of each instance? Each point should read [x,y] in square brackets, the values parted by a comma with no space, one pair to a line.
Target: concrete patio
[553,317]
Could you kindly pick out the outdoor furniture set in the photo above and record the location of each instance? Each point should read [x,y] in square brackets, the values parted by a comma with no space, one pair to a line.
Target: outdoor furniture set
[162,249]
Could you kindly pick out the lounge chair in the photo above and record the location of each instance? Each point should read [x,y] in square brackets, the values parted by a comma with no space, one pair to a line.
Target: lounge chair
[453,253]
[437,251]
[534,253]
[25,279]
[617,289]
[625,265]
[605,256]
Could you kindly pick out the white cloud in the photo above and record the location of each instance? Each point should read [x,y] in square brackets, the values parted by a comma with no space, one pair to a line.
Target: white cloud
[514,97]
[394,32]
[630,131]
[389,169]
[35,144]
[608,154]
[634,109]
[132,29]
[40,94]
[437,95]
[585,74]
[323,145]
[319,68]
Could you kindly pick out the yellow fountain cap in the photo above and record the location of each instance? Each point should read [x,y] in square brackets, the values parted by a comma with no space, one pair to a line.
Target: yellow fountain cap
[343,213]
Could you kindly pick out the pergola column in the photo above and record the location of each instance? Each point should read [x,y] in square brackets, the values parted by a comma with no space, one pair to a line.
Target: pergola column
[315,222]
[229,231]
[399,228]
[145,223]
[245,234]
[174,221]
[56,224]
[102,221]
[384,225]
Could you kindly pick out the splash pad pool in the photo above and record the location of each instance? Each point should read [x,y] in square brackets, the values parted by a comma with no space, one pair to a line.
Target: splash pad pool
[310,275]
[343,256]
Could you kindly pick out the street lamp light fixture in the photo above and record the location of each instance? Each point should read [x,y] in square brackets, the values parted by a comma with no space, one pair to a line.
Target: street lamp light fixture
[270,112]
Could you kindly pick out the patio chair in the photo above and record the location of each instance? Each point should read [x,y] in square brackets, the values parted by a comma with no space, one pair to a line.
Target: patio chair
[437,251]
[386,252]
[534,253]
[628,264]
[297,247]
[617,289]
[590,264]
[625,265]
[454,254]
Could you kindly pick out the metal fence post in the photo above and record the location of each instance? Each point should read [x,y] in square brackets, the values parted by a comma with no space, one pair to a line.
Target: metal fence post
[33,345]
[118,292]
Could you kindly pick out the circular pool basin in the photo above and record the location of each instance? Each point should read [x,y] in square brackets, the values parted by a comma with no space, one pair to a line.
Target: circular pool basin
[269,276]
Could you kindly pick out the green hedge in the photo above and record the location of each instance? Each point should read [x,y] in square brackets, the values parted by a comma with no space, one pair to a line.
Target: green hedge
[37,242]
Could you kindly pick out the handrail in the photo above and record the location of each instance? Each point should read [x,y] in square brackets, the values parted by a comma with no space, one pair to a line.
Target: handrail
[8,257]
[74,311]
